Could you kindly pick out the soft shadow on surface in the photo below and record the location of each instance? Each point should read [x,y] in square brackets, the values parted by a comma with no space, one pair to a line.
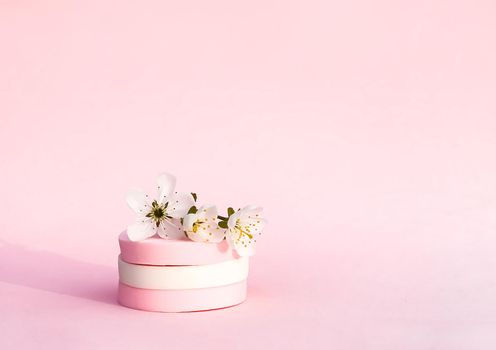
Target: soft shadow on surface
[57,273]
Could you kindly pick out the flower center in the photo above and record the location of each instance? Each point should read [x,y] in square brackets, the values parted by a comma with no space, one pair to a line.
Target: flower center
[158,212]
[243,230]
[196,226]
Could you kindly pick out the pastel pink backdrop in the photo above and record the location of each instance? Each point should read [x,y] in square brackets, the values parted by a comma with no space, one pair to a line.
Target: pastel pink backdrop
[366,130]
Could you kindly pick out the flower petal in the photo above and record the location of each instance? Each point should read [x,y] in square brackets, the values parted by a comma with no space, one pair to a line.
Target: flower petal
[166,184]
[195,236]
[254,226]
[179,204]
[232,219]
[251,210]
[243,245]
[218,234]
[211,211]
[188,221]
[137,201]
[166,229]
[176,230]
[207,232]
[140,231]
[207,211]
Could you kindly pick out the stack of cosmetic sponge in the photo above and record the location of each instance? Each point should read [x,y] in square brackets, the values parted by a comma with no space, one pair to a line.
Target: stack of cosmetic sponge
[179,275]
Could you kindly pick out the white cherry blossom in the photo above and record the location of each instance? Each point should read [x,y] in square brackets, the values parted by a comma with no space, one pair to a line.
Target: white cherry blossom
[159,216]
[243,228]
[202,225]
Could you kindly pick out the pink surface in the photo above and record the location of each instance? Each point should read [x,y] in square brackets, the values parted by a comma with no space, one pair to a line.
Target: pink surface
[182,300]
[365,128]
[158,251]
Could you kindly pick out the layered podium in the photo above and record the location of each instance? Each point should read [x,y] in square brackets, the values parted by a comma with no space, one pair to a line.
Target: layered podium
[180,275]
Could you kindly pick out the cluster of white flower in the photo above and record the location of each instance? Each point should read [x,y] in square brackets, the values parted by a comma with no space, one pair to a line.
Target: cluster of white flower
[172,215]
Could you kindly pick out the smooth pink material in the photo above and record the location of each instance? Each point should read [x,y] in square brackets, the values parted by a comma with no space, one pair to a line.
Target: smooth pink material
[159,251]
[182,300]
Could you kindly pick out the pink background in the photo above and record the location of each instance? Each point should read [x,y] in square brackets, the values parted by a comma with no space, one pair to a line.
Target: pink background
[367,130]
